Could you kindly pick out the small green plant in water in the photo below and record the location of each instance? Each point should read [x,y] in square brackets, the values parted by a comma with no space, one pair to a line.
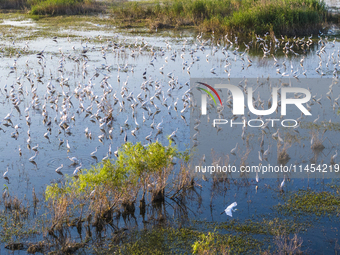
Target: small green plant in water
[135,163]
[115,184]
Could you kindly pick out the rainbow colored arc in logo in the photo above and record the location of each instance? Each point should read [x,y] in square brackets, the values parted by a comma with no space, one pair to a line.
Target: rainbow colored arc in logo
[209,93]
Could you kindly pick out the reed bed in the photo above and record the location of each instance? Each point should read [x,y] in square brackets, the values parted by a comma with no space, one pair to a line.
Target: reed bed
[291,17]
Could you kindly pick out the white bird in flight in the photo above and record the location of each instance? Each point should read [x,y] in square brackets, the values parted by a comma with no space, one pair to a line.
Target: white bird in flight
[282,183]
[230,209]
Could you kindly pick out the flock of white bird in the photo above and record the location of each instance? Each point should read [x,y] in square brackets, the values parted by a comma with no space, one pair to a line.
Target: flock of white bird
[101,92]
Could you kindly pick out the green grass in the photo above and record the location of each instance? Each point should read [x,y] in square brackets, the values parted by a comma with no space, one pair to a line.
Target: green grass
[246,17]
[302,202]
[135,164]
[13,4]
[115,184]
[288,17]
[59,7]
[185,240]
[202,237]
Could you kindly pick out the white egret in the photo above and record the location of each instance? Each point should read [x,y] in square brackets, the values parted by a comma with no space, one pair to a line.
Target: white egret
[74,160]
[67,145]
[334,156]
[5,174]
[94,152]
[77,170]
[266,152]
[106,157]
[230,209]
[33,157]
[35,148]
[282,183]
[59,168]
[110,150]
[148,137]
[234,149]
[46,135]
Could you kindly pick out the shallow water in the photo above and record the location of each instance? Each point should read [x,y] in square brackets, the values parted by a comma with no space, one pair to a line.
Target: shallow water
[333,3]
[16,23]
[66,76]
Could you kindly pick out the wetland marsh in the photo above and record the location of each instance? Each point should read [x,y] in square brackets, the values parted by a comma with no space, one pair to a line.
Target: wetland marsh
[120,101]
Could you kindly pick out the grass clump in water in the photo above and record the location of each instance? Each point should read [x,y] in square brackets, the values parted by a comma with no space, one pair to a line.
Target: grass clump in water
[288,17]
[215,243]
[184,240]
[311,202]
[60,7]
[263,227]
[15,223]
[115,185]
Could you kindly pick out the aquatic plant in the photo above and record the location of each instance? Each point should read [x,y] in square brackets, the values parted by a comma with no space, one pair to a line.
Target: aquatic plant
[287,245]
[311,202]
[115,184]
[215,243]
[281,17]
[58,7]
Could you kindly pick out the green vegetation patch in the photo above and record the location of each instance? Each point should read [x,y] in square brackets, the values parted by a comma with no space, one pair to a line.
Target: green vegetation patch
[281,16]
[58,7]
[264,226]
[158,241]
[12,229]
[288,17]
[14,222]
[185,240]
[311,202]
[113,185]
[324,125]
[214,243]
[135,164]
